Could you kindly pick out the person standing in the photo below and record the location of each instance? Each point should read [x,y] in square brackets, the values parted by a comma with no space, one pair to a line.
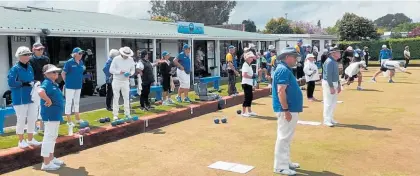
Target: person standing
[108,78]
[268,57]
[287,104]
[311,76]
[183,63]
[301,59]
[122,67]
[324,57]
[167,82]
[20,80]
[348,56]
[52,106]
[248,77]
[37,61]
[331,86]
[385,54]
[262,66]
[407,56]
[366,56]
[147,79]
[73,78]
[232,72]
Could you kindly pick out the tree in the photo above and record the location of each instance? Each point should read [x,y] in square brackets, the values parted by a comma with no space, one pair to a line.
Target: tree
[355,28]
[207,12]
[333,30]
[415,32]
[308,28]
[249,25]
[278,26]
[161,18]
[319,23]
[390,21]
[405,27]
[298,30]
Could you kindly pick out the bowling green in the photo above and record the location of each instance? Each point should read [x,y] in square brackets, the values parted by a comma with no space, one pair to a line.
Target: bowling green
[378,135]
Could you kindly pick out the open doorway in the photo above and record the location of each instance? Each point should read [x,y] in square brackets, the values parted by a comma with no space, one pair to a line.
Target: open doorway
[201,59]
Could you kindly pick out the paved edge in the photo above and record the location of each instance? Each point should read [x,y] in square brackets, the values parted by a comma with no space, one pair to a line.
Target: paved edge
[16,158]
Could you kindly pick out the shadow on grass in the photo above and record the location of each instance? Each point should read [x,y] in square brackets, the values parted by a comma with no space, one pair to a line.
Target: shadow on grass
[254,103]
[362,127]
[404,82]
[66,171]
[9,133]
[156,131]
[314,173]
[264,117]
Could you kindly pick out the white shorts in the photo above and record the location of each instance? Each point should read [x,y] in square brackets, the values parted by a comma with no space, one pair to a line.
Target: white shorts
[184,79]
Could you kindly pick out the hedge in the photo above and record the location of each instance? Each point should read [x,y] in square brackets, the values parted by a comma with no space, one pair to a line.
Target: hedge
[397,46]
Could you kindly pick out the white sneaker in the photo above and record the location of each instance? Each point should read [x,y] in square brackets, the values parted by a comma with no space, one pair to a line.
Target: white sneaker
[294,165]
[22,144]
[269,86]
[57,162]
[49,167]
[285,171]
[166,103]
[245,115]
[252,113]
[329,124]
[170,101]
[70,124]
[115,118]
[34,142]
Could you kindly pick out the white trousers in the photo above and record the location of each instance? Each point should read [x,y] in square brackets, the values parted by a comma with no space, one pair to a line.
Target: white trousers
[50,135]
[124,87]
[72,98]
[285,131]
[330,101]
[25,114]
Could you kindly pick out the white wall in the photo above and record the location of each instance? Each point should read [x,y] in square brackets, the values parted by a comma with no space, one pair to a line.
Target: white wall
[16,44]
[4,64]
[171,46]
[102,56]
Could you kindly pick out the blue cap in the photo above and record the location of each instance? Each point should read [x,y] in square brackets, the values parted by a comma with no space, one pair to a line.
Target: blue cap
[165,53]
[77,50]
[186,46]
[231,47]
[300,41]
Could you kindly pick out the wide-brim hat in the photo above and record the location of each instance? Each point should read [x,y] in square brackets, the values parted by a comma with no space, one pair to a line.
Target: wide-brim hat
[288,51]
[333,50]
[126,51]
[51,68]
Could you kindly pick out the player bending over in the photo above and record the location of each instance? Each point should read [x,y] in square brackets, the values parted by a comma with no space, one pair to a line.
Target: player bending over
[352,72]
[391,66]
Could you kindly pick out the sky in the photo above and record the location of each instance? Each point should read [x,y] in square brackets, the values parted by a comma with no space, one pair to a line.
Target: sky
[259,11]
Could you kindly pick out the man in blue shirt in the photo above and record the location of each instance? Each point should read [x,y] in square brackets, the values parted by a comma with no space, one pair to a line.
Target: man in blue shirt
[108,78]
[331,86]
[73,77]
[287,104]
[183,63]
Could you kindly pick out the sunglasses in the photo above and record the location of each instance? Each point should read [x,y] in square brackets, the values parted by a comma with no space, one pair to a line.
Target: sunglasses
[81,53]
[26,54]
[42,49]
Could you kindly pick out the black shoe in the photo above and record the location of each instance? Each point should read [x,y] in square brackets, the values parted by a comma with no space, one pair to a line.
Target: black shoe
[144,109]
[109,109]
[150,107]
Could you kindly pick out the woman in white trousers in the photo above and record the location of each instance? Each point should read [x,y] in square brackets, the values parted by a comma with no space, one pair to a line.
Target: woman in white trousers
[52,106]
[73,77]
[20,81]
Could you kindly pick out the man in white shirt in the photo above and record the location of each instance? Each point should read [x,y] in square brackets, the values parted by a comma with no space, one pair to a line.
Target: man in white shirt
[122,67]
[352,72]
[390,65]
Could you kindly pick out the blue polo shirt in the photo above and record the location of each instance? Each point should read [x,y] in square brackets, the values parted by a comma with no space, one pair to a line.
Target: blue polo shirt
[18,75]
[56,110]
[74,74]
[185,61]
[284,75]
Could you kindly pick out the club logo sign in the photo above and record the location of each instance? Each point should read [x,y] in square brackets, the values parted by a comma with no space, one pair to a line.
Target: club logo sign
[190,28]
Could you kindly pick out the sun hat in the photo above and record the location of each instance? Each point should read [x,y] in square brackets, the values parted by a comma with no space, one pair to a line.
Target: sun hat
[333,50]
[309,56]
[23,50]
[50,68]
[249,54]
[186,46]
[126,51]
[165,53]
[288,51]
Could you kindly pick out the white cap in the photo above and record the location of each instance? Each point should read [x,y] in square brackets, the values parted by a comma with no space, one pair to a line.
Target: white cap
[309,56]
[50,68]
[22,51]
[350,48]
[271,47]
[383,46]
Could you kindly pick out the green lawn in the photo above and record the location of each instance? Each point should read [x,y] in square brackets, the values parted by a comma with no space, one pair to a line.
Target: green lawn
[9,138]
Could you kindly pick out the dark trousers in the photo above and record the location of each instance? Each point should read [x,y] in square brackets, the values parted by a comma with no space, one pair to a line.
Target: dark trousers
[310,89]
[144,97]
[248,95]
[406,62]
[109,95]
[345,65]
[232,81]
[367,63]
[300,72]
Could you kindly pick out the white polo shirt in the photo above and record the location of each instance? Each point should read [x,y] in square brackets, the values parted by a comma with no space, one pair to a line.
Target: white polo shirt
[246,68]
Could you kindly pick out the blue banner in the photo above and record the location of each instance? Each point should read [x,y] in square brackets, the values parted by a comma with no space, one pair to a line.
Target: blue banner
[190,28]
